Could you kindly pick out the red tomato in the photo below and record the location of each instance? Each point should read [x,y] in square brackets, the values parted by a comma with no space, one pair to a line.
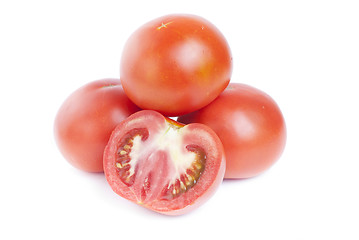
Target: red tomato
[175,64]
[250,126]
[86,119]
[163,165]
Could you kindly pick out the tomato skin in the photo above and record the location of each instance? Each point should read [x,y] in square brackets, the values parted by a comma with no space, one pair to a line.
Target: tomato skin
[85,120]
[161,168]
[182,60]
[250,126]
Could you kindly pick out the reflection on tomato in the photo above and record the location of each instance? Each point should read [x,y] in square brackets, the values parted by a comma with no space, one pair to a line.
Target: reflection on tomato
[175,64]
[86,119]
[250,126]
[163,165]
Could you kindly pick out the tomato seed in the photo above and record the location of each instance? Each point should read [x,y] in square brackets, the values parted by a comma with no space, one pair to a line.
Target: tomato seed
[188,179]
[123,155]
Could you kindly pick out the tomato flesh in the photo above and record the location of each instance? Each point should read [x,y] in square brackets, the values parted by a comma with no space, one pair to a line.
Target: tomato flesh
[162,165]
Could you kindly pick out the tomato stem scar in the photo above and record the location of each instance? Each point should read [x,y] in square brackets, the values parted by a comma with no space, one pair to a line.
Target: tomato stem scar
[163,25]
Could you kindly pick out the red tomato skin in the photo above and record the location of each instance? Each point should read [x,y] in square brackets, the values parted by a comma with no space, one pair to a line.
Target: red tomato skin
[208,183]
[85,120]
[182,60]
[250,126]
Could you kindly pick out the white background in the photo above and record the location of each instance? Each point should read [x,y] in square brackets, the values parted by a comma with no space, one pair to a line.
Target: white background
[305,54]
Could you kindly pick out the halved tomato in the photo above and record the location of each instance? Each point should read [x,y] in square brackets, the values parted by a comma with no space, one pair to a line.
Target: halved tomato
[163,165]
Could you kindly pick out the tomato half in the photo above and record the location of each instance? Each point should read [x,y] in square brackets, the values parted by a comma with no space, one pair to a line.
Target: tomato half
[175,64]
[86,119]
[250,126]
[163,165]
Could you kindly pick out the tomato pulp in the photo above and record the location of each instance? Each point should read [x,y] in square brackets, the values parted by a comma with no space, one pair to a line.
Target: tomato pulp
[86,119]
[163,165]
[250,126]
[175,64]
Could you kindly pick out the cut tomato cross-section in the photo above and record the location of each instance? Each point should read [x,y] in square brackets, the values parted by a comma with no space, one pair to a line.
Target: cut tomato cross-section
[163,165]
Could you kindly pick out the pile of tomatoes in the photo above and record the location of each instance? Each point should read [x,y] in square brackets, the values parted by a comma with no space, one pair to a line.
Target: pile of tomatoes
[173,127]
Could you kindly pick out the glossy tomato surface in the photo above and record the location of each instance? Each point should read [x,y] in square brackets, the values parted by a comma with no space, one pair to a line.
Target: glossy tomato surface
[175,64]
[86,119]
[250,126]
[163,165]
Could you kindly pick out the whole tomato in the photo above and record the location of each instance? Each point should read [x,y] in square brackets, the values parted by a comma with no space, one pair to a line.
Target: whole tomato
[175,64]
[86,119]
[250,126]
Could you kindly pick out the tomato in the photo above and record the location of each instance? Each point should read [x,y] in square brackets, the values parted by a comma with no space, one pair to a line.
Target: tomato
[175,64]
[163,165]
[86,119]
[250,126]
